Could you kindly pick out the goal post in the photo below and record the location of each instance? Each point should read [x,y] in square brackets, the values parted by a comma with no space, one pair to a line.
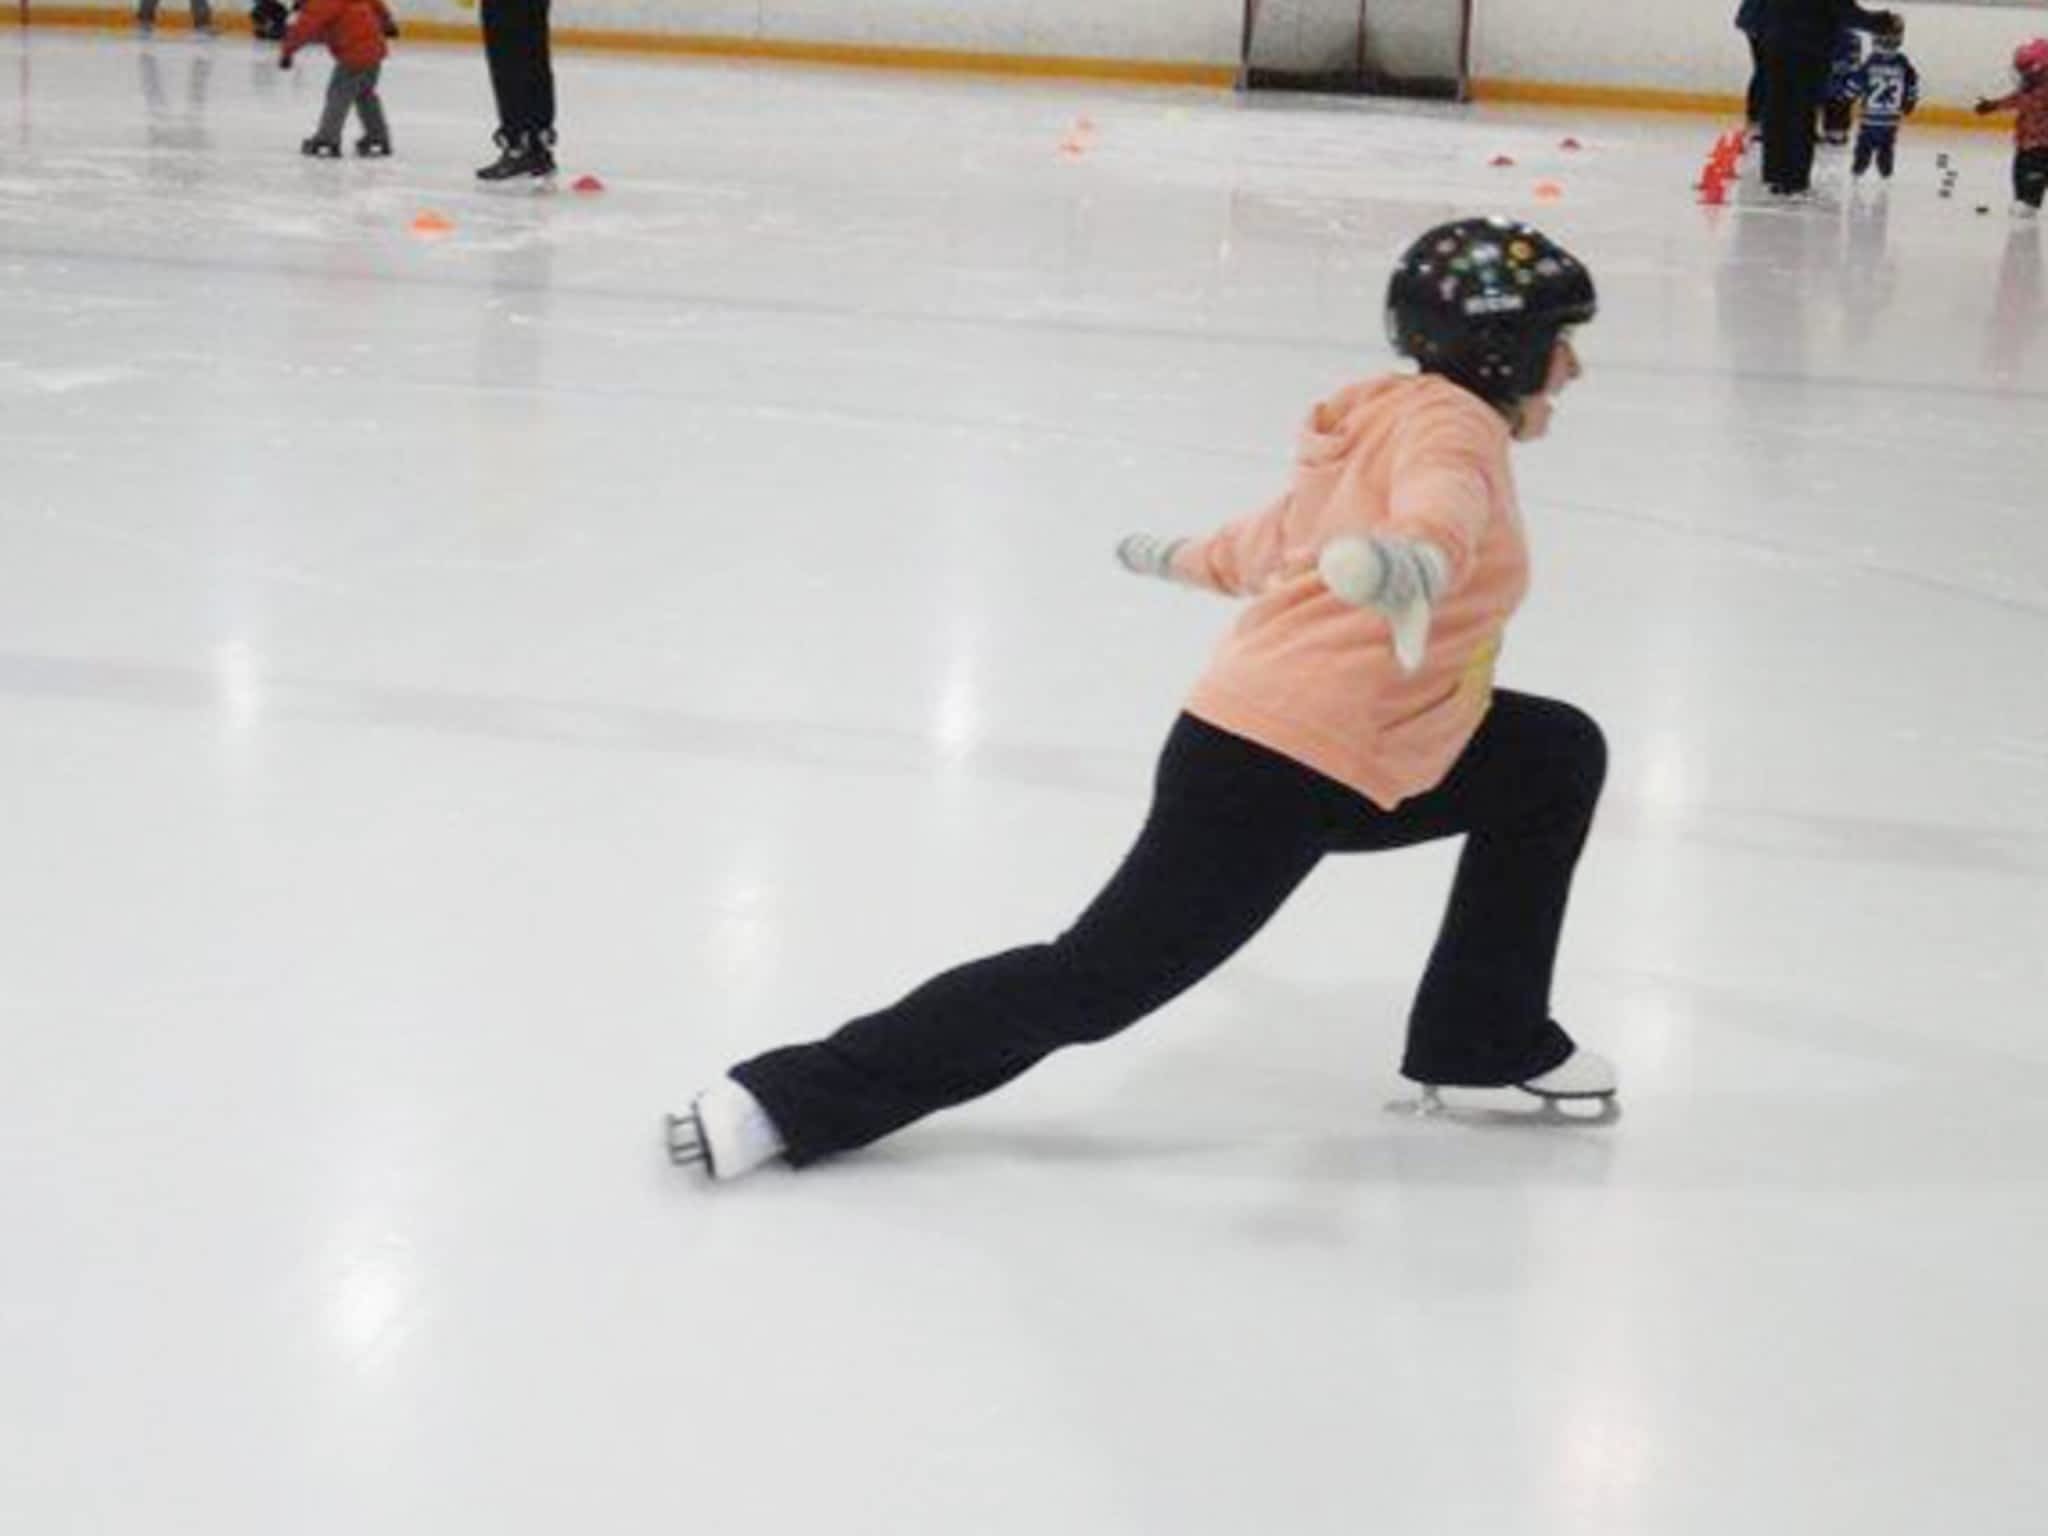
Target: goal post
[1358,47]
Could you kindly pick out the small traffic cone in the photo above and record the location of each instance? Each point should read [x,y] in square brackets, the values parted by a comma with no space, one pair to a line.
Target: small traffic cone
[1080,138]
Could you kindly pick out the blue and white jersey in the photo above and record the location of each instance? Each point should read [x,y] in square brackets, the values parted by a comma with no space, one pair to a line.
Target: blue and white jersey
[1888,86]
[1843,63]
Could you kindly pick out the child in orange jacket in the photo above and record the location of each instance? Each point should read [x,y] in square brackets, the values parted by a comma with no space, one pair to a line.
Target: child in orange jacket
[354,32]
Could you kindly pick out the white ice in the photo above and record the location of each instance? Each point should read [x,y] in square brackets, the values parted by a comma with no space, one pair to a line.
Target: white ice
[460,693]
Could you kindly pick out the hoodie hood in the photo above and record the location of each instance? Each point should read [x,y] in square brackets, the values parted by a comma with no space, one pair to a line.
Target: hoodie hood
[1335,424]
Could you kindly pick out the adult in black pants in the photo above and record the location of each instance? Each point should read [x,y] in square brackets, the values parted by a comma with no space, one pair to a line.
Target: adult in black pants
[1351,710]
[1747,17]
[523,80]
[1797,39]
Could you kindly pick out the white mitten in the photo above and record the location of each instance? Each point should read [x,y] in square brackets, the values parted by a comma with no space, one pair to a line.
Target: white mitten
[1146,554]
[1401,578]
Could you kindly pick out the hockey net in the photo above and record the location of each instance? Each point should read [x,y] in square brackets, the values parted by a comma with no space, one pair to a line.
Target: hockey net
[1358,47]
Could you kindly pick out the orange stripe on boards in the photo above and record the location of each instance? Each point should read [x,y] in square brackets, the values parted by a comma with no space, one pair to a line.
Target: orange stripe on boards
[1615,98]
[1545,93]
[851,55]
[101,19]
[941,60]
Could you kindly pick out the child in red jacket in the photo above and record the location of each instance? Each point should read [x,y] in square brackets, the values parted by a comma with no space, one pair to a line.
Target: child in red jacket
[2030,134]
[354,31]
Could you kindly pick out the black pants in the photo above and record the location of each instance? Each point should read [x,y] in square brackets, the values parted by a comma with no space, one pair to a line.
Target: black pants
[1876,145]
[522,78]
[2030,176]
[1753,107]
[1794,81]
[1233,829]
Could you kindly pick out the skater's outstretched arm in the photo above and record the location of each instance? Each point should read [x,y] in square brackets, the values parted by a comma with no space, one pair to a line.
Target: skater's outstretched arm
[1240,559]
[1402,578]
[1440,499]
[1400,557]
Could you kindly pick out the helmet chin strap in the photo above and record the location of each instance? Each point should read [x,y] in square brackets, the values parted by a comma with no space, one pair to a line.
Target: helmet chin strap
[1517,411]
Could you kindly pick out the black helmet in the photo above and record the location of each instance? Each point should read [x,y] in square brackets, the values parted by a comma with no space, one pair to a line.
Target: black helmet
[1482,302]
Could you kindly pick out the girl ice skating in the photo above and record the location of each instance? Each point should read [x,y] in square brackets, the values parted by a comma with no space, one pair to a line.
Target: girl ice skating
[1350,709]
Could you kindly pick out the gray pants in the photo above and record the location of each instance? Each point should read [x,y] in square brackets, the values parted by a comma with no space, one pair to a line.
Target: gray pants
[353,88]
[202,12]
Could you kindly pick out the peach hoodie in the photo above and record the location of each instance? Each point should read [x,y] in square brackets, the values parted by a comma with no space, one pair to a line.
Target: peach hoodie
[1315,679]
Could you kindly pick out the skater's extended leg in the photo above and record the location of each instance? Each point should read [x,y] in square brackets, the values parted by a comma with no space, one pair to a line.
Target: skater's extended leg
[1232,831]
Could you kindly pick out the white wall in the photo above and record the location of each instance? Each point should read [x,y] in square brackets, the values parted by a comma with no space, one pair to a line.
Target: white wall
[1962,51]
[1144,31]
[1174,31]
[1963,47]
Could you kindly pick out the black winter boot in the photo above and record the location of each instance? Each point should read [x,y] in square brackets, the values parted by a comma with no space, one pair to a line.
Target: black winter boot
[521,154]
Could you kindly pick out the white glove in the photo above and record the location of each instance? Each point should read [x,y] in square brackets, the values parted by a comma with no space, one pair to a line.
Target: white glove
[1401,578]
[1146,554]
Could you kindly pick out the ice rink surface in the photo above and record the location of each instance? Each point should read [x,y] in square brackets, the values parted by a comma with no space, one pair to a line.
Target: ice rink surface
[457,694]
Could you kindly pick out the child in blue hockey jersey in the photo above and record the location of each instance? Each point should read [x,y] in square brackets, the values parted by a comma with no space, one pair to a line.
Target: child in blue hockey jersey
[1889,87]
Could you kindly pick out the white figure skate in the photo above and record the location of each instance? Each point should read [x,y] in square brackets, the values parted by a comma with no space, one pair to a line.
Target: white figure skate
[1583,1089]
[725,1129]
